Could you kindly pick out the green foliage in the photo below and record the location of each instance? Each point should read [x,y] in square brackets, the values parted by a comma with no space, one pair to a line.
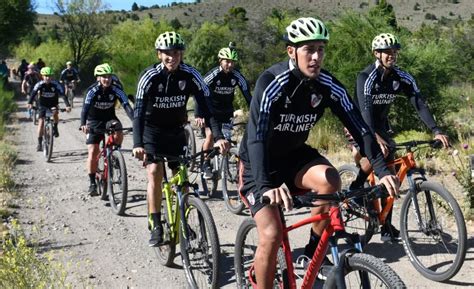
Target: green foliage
[17,18]
[7,158]
[7,106]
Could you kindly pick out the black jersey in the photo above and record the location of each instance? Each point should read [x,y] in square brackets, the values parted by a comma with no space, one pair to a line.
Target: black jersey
[69,74]
[284,109]
[222,86]
[376,93]
[99,103]
[162,96]
[47,94]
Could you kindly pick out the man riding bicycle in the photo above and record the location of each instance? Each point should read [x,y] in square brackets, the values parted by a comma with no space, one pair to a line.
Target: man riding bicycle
[290,97]
[46,93]
[32,76]
[69,77]
[377,87]
[222,81]
[160,114]
[98,113]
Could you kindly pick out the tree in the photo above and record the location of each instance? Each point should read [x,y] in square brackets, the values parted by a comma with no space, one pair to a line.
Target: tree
[134,6]
[17,18]
[83,25]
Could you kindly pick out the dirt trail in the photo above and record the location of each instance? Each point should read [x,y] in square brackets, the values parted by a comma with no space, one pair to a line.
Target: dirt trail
[103,250]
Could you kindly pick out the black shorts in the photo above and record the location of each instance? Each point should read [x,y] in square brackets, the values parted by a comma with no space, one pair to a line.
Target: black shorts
[284,170]
[169,141]
[42,110]
[96,138]
[384,135]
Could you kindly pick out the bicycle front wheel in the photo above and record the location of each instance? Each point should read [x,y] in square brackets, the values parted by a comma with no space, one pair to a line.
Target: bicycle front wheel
[70,97]
[191,144]
[230,182]
[365,271]
[433,231]
[245,248]
[48,140]
[199,244]
[118,183]
[167,250]
[101,178]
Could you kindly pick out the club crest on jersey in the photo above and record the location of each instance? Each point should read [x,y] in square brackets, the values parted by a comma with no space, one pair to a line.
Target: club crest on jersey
[233,82]
[111,96]
[182,84]
[315,99]
[218,82]
[160,87]
[287,101]
[251,199]
[395,85]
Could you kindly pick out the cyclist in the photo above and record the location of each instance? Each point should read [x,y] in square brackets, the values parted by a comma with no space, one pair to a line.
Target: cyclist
[222,81]
[160,114]
[69,77]
[32,76]
[98,113]
[289,98]
[377,87]
[22,69]
[47,91]
[40,64]
[4,72]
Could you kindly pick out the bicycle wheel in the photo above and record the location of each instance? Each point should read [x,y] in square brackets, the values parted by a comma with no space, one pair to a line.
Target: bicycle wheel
[200,252]
[436,242]
[101,178]
[48,140]
[166,252]
[118,185]
[365,271]
[355,214]
[245,247]
[191,144]
[35,116]
[230,182]
[70,97]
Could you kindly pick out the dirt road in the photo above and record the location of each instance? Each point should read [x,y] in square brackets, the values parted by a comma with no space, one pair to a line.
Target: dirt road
[103,250]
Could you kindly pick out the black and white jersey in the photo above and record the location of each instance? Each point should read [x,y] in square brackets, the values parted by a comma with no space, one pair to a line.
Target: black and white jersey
[284,109]
[376,92]
[99,103]
[69,74]
[161,99]
[47,94]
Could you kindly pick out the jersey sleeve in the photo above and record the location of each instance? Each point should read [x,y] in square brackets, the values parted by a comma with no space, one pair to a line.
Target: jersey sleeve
[123,100]
[364,99]
[140,106]
[244,86]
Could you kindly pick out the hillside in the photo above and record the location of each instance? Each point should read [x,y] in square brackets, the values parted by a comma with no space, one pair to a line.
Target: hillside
[410,13]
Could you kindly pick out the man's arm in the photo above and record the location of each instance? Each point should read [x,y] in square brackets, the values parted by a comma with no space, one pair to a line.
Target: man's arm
[364,99]
[244,86]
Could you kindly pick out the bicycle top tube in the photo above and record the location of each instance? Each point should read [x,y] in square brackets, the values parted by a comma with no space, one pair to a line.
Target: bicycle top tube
[184,160]
[109,130]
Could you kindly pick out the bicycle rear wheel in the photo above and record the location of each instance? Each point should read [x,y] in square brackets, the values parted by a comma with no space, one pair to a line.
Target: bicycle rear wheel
[230,182]
[191,144]
[118,183]
[101,177]
[436,242]
[245,248]
[365,271]
[48,140]
[167,251]
[199,243]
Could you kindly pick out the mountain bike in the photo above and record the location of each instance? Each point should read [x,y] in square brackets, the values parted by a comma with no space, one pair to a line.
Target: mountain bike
[432,226]
[351,267]
[70,87]
[111,174]
[48,133]
[188,221]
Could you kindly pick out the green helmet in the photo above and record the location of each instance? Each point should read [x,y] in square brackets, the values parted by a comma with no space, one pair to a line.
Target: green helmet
[385,41]
[228,53]
[103,69]
[169,40]
[306,29]
[46,71]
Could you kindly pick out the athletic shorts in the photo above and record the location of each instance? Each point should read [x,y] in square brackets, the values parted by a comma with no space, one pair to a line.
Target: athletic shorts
[283,171]
[169,141]
[42,110]
[385,136]
[96,138]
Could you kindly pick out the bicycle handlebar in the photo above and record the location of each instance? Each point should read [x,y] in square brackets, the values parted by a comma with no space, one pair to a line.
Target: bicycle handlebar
[308,199]
[414,143]
[186,159]
[108,131]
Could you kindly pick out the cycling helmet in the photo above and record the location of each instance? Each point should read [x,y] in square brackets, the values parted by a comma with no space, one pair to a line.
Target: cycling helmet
[385,41]
[69,63]
[228,53]
[103,69]
[306,29]
[46,71]
[31,65]
[169,40]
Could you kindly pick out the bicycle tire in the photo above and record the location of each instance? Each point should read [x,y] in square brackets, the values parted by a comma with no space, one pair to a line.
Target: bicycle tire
[101,177]
[441,234]
[48,141]
[191,144]
[118,183]
[167,251]
[35,116]
[200,253]
[70,97]
[369,266]
[355,215]
[245,247]
[230,182]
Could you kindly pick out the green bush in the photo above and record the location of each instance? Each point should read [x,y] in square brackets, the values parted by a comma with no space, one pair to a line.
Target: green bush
[7,105]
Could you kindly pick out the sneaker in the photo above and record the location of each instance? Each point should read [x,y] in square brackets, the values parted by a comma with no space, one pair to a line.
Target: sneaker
[156,236]
[39,147]
[93,190]
[207,171]
[389,233]
[326,266]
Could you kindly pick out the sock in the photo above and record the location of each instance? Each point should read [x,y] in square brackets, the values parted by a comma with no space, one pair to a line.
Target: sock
[40,139]
[153,220]
[312,244]
[92,178]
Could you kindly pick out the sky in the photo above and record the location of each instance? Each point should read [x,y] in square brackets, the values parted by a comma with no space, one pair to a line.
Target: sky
[46,6]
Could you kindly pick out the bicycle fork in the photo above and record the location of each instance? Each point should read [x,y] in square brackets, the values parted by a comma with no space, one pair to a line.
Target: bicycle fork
[415,189]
